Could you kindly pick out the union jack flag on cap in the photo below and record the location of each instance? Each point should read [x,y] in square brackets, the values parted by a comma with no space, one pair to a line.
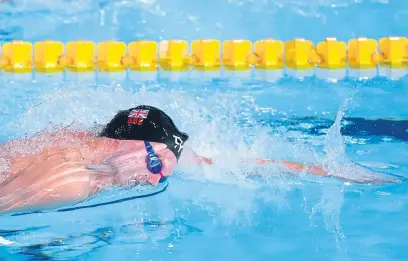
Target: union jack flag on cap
[137,116]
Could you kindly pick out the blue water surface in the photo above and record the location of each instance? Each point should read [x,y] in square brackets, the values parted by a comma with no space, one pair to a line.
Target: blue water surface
[229,211]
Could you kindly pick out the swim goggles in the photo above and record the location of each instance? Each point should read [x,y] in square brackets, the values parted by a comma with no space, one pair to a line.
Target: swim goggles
[154,164]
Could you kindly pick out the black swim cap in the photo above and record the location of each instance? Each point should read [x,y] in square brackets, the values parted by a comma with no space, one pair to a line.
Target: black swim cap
[146,123]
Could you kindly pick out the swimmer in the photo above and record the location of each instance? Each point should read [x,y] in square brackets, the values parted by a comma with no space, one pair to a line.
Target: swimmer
[138,146]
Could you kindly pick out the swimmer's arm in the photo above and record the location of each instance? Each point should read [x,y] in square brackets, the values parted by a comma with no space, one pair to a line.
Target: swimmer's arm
[299,167]
[25,192]
[189,156]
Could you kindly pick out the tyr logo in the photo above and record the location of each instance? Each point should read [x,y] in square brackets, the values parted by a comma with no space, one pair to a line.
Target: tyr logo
[179,143]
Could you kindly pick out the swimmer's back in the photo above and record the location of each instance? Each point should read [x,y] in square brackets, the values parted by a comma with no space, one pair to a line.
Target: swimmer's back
[77,146]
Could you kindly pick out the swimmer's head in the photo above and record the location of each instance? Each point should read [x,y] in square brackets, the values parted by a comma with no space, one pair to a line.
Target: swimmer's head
[146,123]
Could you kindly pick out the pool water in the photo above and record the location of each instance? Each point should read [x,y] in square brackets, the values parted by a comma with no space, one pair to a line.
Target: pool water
[229,211]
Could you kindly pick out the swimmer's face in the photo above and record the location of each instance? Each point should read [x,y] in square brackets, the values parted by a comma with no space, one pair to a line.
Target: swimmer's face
[129,161]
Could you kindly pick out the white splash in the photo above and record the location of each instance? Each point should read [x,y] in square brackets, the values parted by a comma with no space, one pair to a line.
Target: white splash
[337,162]
[5,242]
[332,195]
